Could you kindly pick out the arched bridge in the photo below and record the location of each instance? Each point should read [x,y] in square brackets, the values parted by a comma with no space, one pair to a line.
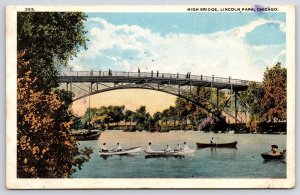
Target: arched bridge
[86,83]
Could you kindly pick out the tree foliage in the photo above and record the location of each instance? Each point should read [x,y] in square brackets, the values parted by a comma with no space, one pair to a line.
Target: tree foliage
[274,100]
[45,147]
[141,117]
[50,39]
[45,41]
[251,100]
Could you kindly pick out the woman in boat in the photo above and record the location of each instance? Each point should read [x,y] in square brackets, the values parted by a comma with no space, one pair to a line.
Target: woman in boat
[185,147]
[149,149]
[168,149]
[104,149]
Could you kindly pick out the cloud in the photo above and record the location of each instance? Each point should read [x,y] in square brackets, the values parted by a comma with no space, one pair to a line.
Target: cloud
[224,53]
[242,31]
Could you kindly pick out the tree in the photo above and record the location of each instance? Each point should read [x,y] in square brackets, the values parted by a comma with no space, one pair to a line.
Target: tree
[117,113]
[76,123]
[274,100]
[45,41]
[157,117]
[128,116]
[172,114]
[165,116]
[141,117]
[251,100]
[50,39]
[45,147]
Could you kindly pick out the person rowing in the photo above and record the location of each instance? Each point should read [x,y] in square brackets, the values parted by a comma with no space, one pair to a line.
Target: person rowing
[149,149]
[168,149]
[185,147]
[119,148]
[179,147]
[103,148]
[274,150]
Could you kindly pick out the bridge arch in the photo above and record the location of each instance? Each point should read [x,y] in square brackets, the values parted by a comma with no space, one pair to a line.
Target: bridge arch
[197,103]
[173,84]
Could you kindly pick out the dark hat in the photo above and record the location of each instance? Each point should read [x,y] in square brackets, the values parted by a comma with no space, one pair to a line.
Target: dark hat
[274,146]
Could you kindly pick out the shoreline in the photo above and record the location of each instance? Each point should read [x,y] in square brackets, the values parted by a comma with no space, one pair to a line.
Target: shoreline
[187,131]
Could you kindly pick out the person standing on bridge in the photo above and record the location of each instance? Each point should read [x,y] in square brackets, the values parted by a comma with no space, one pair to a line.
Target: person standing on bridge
[157,73]
[177,75]
[229,79]
[151,73]
[139,72]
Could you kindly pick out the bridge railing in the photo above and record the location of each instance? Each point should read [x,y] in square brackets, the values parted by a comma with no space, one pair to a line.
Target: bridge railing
[156,75]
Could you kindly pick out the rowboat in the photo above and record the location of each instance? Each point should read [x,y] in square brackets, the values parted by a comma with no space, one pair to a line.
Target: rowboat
[123,152]
[217,145]
[185,152]
[86,135]
[268,156]
[168,154]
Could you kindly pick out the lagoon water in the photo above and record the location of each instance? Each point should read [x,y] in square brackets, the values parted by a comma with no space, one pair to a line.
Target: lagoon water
[243,162]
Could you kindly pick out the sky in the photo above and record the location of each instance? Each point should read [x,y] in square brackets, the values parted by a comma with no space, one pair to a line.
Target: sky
[240,45]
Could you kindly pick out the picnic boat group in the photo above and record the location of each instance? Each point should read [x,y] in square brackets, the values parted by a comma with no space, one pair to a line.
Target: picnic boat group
[184,150]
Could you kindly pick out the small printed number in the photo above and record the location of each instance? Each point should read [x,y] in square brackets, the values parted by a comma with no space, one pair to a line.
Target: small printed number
[29,9]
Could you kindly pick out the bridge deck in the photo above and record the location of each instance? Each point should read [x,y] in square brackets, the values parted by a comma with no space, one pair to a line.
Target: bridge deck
[152,77]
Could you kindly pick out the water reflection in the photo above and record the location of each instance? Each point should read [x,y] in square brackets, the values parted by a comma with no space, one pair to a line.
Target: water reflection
[119,156]
[222,153]
[165,156]
[274,161]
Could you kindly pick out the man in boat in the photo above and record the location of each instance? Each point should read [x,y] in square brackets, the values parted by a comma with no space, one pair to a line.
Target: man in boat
[104,149]
[168,149]
[274,150]
[179,148]
[185,147]
[149,149]
[119,148]
[212,141]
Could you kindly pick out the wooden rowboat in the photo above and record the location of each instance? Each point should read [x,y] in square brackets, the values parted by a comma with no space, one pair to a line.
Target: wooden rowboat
[123,152]
[180,153]
[268,156]
[86,135]
[217,145]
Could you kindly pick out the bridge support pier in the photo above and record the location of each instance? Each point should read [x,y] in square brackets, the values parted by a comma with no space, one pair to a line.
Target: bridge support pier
[217,98]
[235,107]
